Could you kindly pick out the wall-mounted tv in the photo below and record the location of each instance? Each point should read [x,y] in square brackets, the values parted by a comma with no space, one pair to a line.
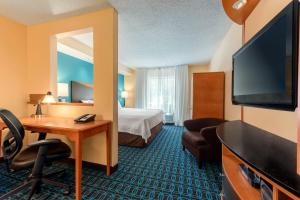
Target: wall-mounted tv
[265,69]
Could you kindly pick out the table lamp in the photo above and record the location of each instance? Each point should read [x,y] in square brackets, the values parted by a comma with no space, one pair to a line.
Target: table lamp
[47,100]
[62,91]
[124,94]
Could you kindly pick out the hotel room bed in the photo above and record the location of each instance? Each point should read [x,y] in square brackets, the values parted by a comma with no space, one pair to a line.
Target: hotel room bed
[138,127]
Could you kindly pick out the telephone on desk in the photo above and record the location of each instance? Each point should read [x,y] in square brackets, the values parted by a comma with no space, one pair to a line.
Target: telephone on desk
[85,118]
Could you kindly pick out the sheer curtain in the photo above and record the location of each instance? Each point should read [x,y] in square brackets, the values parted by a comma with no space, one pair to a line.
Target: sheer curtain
[182,95]
[141,88]
[164,88]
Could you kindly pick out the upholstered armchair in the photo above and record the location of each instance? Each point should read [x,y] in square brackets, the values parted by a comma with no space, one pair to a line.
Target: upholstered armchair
[200,138]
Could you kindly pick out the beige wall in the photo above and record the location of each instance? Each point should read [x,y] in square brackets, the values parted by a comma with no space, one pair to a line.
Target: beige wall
[222,61]
[281,123]
[41,64]
[130,86]
[197,68]
[13,65]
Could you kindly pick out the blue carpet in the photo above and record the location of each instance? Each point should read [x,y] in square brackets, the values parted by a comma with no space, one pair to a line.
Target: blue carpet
[160,171]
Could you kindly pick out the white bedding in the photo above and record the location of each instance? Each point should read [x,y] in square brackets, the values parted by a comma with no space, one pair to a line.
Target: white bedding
[139,121]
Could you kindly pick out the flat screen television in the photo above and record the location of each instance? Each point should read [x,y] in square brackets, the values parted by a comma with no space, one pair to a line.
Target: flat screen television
[265,69]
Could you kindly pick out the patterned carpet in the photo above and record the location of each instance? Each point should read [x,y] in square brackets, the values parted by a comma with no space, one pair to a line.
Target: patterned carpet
[160,171]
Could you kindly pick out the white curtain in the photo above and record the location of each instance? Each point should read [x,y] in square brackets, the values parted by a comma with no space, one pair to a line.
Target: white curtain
[182,95]
[141,88]
[164,88]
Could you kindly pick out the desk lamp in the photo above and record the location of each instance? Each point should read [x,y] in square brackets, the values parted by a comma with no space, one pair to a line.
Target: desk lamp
[47,100]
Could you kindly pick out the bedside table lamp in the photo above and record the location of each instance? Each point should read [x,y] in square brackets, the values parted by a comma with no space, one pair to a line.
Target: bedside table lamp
[124,94]
[47,100]
[62,91]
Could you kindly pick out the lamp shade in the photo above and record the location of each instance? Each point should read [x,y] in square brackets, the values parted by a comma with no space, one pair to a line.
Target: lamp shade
[49,98]
[62,89]
[124,94]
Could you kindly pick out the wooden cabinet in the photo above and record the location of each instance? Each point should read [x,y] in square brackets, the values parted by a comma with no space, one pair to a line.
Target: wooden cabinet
[208,95]
[228,192]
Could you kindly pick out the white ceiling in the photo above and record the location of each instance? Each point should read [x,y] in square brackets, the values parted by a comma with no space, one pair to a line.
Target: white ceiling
[85,38]
[152,33]
[78,45]
[38,11]
[74,52]
[169,32]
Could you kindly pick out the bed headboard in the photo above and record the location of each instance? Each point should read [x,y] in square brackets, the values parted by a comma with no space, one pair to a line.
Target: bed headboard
[81,91]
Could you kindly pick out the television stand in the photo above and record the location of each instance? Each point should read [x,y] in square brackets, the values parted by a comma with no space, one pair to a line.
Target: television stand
[269,156]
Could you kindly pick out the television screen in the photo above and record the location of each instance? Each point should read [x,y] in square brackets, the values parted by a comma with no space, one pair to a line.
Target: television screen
[265,68]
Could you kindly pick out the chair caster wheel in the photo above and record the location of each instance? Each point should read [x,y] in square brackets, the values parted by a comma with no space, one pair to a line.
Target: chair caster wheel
[66,193]
[63,175]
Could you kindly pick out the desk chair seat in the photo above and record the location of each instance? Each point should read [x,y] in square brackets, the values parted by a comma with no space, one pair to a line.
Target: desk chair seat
[27,157]
[36,156]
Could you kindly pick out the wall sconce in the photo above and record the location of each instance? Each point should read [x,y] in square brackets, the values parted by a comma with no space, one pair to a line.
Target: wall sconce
[124,94]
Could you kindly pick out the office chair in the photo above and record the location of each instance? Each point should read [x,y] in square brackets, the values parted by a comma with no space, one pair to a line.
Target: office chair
[37,155]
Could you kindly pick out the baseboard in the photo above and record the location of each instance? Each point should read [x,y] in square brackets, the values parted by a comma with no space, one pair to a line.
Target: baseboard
[94,165]
[169,123]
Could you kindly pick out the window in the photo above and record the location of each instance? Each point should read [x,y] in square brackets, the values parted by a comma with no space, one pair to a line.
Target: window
[164,88]
[161,90]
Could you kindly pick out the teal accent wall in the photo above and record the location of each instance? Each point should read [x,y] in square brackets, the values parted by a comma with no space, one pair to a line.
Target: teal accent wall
[120,89]
[73,69]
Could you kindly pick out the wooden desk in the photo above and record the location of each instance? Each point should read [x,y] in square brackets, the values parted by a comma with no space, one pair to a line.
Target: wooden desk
[75,132]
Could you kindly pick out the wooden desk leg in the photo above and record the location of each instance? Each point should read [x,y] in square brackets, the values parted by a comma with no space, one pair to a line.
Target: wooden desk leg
[0,138]
[108,149]
[78,167]
[0,143]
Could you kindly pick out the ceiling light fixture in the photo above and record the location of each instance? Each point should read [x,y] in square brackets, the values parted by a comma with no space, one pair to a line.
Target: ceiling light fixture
[239,4]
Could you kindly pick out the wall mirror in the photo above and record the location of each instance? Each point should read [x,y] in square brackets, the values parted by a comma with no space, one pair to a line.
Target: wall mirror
[74,61]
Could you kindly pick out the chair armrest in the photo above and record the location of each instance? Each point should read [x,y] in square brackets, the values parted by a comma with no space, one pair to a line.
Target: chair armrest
[197,124]
[45,142]
[210,135]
